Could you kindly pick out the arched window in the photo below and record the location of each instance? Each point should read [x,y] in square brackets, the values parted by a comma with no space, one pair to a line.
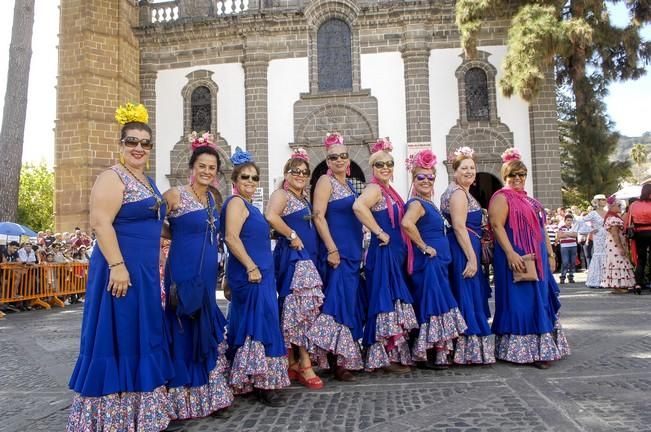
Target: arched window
[334,56]
[476,83]
[201,105]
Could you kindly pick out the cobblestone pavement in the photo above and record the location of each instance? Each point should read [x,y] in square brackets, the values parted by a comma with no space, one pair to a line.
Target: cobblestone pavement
[604,386]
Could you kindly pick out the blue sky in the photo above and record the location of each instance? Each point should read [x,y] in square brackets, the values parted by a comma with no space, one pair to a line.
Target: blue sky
[628,103]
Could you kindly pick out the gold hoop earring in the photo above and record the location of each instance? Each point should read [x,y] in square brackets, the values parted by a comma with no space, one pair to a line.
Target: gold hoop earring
[147,165]
[121,158]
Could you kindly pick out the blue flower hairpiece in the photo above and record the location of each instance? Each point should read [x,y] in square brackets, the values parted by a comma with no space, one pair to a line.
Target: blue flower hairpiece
[241,157]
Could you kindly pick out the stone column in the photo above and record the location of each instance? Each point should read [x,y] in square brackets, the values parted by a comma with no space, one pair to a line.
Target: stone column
[545,157]
[256,61]
[415,55]
[98,70]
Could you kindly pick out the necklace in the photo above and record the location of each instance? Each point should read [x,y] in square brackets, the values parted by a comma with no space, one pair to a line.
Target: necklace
[309,216]
[159,202]
[210,209]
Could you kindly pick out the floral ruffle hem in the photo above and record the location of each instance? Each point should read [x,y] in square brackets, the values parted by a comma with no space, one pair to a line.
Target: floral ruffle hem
[252,369]
[302,306]
[328,336]
[533,347]
[437,332]
[128,412]
[474,349]
[196,402]
[392,329]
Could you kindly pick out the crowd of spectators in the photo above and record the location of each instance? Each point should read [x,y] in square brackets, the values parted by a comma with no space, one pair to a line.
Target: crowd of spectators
[46,248]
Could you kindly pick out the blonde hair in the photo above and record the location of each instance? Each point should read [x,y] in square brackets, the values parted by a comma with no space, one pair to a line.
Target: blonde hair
[378,155]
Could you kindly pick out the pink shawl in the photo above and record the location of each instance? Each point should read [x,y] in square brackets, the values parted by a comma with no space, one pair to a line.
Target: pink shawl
[525,216]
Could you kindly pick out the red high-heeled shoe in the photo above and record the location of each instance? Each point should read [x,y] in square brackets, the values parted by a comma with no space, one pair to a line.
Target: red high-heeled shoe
[314,383]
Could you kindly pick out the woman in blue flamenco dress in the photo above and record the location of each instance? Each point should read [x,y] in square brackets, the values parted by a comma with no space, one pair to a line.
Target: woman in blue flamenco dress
[390,315]
[300,294]
[123,361]
[255,341]
[467,279]
[336,333]
[526,325]
[437,312]
[196,327]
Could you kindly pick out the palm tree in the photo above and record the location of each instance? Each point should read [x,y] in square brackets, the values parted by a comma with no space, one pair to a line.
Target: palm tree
[15,108]
[639,155]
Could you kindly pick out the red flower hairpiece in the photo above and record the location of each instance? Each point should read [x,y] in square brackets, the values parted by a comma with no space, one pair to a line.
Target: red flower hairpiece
[511,154]
[300,153]
[382,144]
[205,139]
[423,159]
[333,139]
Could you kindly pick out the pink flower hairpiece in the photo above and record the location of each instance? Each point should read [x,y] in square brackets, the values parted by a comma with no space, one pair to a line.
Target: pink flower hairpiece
[300,153]
[382,144]
[464,151]
[423,159]
[333,139]
[511,154]
[611,200]
[205,139]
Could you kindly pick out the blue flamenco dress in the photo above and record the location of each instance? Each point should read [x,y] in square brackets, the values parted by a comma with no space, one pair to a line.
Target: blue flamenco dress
[477,345]
[255,341]
[299,284]
[197,344]
[437,312]
[390,312]
[526,324]
[339,328]
[124,361]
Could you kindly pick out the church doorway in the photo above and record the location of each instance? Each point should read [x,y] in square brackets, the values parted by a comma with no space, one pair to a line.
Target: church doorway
[484,187]
[356,176]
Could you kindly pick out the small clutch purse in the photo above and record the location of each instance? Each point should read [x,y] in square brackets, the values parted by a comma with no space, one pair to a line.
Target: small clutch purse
[530,274]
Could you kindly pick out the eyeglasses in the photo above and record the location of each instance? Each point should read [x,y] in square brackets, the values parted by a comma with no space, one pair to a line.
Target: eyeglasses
[132,142]
[335,156]
[421,177]
[381,164]
[255,177]
[299,172]
[518,174]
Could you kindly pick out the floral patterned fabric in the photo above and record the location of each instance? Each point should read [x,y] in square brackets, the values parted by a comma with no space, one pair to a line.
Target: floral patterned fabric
[617,270]
[251,369]
[302,307]
[437,332]
[391,337]
[474,350]
[532,348]
[326,335]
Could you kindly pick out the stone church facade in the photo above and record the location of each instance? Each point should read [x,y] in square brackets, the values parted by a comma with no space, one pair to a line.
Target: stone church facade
[270,75]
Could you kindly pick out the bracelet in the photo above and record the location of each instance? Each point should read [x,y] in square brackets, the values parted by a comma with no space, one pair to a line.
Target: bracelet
[333,251]
[252,270]
[378,233]
[116,264]
[424,250]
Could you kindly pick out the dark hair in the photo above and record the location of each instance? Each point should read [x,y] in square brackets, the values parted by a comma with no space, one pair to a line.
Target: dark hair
[237,169]
[295,162]
[204,150]
[569,216]
[134,126]
[14,243]
[645,195]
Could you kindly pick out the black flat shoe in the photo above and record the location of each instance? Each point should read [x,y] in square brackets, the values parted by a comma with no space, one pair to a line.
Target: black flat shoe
[175,426]
[542,365]
[270,398]
[223,413]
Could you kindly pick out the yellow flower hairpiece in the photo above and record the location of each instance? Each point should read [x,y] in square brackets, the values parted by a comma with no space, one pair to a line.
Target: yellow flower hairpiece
[131,112]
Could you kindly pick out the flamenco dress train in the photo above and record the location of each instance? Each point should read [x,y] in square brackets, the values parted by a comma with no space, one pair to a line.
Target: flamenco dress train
[255,341]
[299,285]
[477,345]
[339,328]
[197,344]
[526,324]
[124,361]
[439,319]
[390,312]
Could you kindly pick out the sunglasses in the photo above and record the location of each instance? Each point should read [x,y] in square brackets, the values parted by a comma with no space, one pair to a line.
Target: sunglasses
[421,177]
[132,142]
[255,177]
[381,164]
[335,156]
[299,172]
[518,174]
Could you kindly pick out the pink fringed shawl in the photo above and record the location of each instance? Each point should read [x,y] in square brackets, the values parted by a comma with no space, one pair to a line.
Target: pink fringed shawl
[392,197]
[526,219]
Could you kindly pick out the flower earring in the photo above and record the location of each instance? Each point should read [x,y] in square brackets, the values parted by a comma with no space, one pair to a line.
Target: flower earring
[147,165]
[348,171]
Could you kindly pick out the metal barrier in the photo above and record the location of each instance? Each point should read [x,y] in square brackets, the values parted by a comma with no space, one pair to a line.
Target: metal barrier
[42,284]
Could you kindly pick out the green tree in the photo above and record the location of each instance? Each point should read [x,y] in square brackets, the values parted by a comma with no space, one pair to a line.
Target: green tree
[639,155]
[36,196]
[587,51]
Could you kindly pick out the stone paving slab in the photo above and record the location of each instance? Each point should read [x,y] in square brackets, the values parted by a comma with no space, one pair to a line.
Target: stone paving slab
[604,386]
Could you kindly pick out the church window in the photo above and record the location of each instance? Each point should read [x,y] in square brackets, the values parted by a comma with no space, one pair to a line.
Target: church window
[334,56]
[201,103]
[477,104]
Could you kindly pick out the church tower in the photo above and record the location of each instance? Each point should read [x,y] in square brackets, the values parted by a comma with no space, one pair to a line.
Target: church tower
[99,63]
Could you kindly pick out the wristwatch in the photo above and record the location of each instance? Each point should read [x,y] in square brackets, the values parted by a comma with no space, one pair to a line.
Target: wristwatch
[292,235]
